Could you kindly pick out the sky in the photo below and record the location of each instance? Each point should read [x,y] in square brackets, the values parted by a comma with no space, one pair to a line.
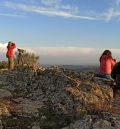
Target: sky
[65,29]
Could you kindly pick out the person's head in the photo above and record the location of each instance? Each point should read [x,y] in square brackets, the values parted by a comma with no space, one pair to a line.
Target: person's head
[20,50]
[107,53]
[10,43]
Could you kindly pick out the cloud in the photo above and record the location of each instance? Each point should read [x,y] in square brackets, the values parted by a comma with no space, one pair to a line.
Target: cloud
[65,55]
[55,51]
[50,2]
[2,50]
[62,10]
[117,2]
[58,5]
[113,12]
[11,15]
[3,45]
[59,8]
[71,55]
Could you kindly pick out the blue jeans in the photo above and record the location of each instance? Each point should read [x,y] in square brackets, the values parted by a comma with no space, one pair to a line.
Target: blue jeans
[107,76]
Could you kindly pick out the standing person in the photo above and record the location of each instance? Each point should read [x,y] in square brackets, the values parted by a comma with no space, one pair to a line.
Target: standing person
[20,56]
[106,65]
[10,54]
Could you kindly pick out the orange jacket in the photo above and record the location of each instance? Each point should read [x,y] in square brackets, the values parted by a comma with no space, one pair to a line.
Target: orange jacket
[106,65]
[10,48]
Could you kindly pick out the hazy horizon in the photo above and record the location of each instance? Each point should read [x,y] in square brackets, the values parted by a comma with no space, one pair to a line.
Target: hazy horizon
[65,55]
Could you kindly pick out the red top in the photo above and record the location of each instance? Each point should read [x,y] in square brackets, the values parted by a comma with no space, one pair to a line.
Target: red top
[10,48]
[106,64]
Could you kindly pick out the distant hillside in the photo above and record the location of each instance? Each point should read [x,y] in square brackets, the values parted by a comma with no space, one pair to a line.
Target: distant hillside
[81,68]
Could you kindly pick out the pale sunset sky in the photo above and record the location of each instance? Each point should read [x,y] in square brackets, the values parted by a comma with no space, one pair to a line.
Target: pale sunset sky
[62,31]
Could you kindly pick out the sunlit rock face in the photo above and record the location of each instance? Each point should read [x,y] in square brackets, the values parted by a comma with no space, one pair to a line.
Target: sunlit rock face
[56,98]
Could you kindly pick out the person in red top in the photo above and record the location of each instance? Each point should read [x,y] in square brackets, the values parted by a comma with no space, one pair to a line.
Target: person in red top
[106,65]
[10,54]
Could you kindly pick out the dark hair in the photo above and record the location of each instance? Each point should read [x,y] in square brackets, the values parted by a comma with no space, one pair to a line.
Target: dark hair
[11,42]
[107,53]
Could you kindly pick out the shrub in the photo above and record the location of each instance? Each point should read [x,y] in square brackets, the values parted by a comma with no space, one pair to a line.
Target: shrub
[3,64]
[29,59]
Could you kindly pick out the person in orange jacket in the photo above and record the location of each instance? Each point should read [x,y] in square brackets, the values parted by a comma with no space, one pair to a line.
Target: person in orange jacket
[106,65]
[10,54]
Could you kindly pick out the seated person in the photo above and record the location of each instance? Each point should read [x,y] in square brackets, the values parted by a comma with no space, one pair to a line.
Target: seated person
[106,65]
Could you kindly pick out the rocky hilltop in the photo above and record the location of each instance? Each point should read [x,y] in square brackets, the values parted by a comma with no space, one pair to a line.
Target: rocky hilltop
[56,98]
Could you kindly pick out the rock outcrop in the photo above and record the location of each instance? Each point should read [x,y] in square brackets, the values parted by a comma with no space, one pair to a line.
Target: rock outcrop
[56,98]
